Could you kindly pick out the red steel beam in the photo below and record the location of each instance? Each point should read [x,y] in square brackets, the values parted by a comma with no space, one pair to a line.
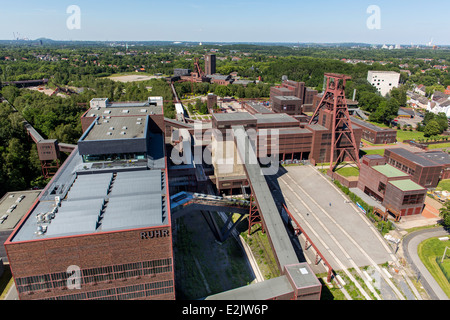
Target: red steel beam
[308,239]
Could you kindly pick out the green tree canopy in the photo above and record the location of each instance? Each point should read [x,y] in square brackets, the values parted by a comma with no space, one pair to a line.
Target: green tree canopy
[432,129]
[444,213]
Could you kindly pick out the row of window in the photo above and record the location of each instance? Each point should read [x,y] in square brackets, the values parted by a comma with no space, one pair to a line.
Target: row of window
[95,275]
[122,293]
[401,166]
[413,199]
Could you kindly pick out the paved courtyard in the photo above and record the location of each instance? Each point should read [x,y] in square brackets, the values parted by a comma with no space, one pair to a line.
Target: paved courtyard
[338,228]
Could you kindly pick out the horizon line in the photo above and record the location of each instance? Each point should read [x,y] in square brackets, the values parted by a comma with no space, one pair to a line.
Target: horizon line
[237,42]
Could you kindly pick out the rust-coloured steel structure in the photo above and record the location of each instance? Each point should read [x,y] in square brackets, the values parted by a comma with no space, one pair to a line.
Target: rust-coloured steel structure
[254,216]
[343,142]
[298,229]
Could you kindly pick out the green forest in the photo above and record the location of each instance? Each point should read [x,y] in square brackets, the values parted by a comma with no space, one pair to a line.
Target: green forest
[84,70]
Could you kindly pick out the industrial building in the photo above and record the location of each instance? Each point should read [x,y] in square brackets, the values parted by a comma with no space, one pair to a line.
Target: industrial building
[375,134]
[13,207]
[395,189]
[294,140]
[107,209]
[425,168]
[295,89]
[105,213]
[210,64]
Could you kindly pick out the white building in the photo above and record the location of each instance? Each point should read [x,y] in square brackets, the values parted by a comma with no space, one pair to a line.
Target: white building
[384,81]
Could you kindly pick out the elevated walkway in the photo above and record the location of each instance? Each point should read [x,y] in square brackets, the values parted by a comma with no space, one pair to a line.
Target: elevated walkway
[273,223]
[184,202]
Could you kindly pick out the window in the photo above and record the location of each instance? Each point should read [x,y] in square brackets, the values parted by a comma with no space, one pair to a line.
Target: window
[413,199]
[382,187]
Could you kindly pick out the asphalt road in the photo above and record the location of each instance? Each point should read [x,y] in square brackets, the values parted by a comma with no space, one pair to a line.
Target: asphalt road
[410,243]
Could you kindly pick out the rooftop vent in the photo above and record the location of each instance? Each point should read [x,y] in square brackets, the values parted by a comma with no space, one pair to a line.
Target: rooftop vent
[108,133]
[138,122]
[125,111]
[123,132]
[107,111]
[124,128]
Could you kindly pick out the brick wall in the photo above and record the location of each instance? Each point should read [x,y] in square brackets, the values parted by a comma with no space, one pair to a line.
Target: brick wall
[115,259]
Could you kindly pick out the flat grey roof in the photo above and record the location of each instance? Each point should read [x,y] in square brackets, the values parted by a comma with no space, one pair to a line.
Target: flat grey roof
[117,109]
[265,290]
[136,200]
[288,98]
[414,157]
[317,127]
[283,89]
[237,116]
[274,118]
[294,131]
[117,128]
[374,156]
[21,207]
[436,156]
[302,275]
[259,108]
[369,125]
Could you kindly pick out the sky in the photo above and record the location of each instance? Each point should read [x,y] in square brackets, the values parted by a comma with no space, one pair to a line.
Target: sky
[403,22]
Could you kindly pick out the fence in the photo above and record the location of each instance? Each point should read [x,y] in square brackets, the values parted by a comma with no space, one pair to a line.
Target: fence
[445,271]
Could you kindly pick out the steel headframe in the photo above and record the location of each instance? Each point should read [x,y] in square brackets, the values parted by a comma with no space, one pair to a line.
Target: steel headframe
[343,141]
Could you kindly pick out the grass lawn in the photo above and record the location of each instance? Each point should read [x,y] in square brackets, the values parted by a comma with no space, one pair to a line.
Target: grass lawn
[439,145]
[444,185]
[348,171]
[371,151]
[262,251]
[428,250]
[409,135]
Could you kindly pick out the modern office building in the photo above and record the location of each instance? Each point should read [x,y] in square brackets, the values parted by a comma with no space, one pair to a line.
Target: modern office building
[384,81]
[101,228]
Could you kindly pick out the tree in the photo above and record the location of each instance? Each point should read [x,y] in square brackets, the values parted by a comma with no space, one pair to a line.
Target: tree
[444,213]
[442,120]
[428,117]
[431,129]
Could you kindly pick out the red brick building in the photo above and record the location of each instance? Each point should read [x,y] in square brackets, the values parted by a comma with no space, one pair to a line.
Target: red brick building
[289,88]
[392,187]
[425,168]
[101,228]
